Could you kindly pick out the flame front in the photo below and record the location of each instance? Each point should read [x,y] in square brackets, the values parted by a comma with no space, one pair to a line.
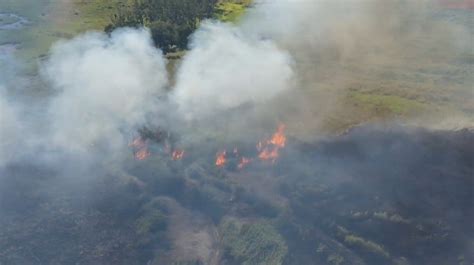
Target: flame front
[142,154]
[177,154]
[270,149]
[269,154]
[221,159]
[141,149]
[279,138]
[138,143]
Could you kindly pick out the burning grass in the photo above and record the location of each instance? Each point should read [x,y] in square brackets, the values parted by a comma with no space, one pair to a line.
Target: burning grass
[337,194]
[266,150]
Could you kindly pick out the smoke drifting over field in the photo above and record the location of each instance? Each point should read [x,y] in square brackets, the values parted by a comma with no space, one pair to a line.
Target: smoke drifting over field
[227,68]
[107,86]
[286,62]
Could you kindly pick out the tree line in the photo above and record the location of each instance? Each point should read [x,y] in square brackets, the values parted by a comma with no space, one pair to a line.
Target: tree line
[170,21]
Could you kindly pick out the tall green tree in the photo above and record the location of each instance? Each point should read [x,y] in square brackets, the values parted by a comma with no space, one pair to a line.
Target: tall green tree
[170,21]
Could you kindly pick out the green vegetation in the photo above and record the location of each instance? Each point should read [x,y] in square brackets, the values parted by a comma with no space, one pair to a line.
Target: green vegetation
[309,202]
[52,20]
[95,14]
[170,21]
[366,244]
[360,243]
[395,218]
[151,222]
[335,259]
[387,104]
[231,11]
[253,244]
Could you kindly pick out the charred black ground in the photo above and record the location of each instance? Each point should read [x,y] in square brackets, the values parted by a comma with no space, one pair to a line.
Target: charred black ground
[371,196]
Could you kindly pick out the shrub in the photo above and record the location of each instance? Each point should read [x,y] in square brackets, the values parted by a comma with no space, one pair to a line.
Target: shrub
[253,244]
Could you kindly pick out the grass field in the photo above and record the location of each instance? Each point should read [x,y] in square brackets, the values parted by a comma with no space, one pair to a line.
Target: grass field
[231,10]
[378,92]
[51,20]
[387,103]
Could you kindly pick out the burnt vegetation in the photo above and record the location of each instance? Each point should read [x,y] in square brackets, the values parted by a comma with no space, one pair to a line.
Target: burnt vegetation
[372,196]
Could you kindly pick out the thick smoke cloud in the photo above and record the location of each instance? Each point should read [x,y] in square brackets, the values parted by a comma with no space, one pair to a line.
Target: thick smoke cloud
[226,68]
[291,59]
[105,88]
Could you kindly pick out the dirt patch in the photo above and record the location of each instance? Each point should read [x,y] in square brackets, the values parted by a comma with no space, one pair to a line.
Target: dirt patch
[194,237]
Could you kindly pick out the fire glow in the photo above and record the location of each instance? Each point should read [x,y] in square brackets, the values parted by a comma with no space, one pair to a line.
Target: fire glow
[244,162]
[140,149]
[177,154]
[270,149]
[221,159]
[142,154]
[267,150]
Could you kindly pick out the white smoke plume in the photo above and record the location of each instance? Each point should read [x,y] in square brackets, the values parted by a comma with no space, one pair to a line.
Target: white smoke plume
[283,52]
[226,68]
[105,87]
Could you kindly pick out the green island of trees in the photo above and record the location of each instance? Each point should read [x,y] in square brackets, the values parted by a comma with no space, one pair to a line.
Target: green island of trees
[172,21]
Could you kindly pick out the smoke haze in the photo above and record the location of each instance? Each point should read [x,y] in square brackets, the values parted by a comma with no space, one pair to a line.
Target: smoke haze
[295,59]
[9,130]
[226,68]
[104,86]
[70,177]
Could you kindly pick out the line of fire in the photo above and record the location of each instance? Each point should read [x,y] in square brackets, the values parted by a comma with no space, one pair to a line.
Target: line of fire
[266,150]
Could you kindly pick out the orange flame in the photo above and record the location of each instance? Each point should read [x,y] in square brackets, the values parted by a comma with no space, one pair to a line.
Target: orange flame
[138,143]
[270,149]
[269,153]
[244,162]
[177,154]
[141,149]
[221,159]
[142,153]
[279,138]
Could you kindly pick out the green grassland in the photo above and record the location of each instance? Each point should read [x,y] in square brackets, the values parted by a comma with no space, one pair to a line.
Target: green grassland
[51,20]
[387,103]
[231,11]
[378,92]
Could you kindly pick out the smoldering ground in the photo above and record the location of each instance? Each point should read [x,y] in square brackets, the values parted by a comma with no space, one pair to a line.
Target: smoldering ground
[285,61]
[375,195]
